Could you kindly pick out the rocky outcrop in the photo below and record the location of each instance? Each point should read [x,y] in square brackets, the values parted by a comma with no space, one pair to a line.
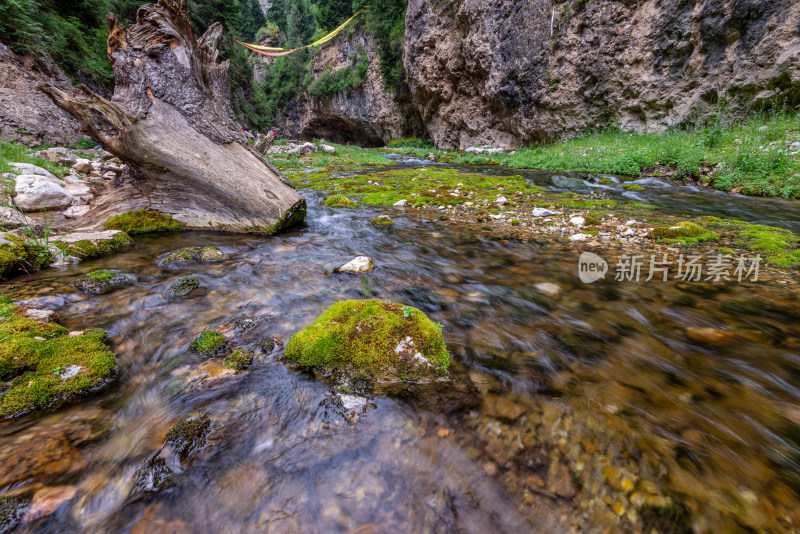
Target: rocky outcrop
[511,72]
[366,115]
[26,113]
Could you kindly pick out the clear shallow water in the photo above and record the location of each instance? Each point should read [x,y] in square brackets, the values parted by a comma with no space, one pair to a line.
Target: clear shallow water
[596,377]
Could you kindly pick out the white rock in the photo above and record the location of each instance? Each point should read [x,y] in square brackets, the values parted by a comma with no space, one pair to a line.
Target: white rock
[81,193]
[577,221]
[629,232]
[83,166]
[58,155]
[328,149]
[578,237]
[84,236]
[359,264]
[542,212]
[630,223]
[27,168]
[304,149]
[35,193]
[352,402]
[13,218]
[76,212]
[548,288]
[501,200]
[401,203]
[71,371]
[41,316]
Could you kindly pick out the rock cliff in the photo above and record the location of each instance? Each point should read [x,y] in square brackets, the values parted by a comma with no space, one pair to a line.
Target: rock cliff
[366,115]
[26,113]
[512,72]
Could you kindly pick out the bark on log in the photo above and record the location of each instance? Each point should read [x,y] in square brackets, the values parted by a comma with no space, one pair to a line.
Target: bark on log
[171,121]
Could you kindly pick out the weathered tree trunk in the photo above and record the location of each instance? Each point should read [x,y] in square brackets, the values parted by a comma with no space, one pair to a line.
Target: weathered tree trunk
[171,120]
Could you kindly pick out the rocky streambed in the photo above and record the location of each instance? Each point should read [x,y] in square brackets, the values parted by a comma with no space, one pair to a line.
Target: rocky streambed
[570,407]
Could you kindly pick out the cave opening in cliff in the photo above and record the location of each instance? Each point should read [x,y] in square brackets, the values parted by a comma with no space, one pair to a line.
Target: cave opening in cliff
[343,132]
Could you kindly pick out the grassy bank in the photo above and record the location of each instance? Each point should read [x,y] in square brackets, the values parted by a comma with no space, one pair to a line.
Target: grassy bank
[758,156]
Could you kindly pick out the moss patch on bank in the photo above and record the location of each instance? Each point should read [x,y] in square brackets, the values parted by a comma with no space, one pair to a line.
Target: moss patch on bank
[41,363]
[383,340]
[22,255]
[142,222]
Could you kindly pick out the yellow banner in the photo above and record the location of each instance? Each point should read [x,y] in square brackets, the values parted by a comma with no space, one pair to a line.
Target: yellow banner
[274,52]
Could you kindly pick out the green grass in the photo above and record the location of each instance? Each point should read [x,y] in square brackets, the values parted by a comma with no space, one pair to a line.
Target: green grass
[142,222]
[361,336]
[752,155]
[39,372]
[18,153]
[345,157]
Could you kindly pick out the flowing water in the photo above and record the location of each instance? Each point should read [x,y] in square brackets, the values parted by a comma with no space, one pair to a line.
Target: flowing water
[569,407]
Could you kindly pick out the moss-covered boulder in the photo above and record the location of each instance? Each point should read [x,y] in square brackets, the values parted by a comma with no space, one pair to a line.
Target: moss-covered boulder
[339,201]
[684,232]
[41,363]
[206,254]
[142,222]
[382,221]
[181,287]
[383,340]
[632,187]
[103,281]
[84,245]
[209,343]
[19,255]
[239,360]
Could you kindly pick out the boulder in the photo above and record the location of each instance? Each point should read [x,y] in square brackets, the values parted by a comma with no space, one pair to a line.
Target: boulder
[328,149]
[382,340]
[36,193]
[12,218]
[57,154]
[401,203]
[28,168]
[303,150]
[359,264]
[76,212]
[83,166]
[80,192]
[542,212]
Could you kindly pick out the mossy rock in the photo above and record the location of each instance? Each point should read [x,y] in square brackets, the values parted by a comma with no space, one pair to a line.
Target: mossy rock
[238,360]
[94,248]
[103,281]
[383,220]
[266,344]
[206,254]
[209,343]
[339,201]
[182,287]
[632,187]
[684,232]
[189,435]
[383,340]
[12,509]
[605,181]
[41,363]
[152,477]
[142,222]
[22,255]
[592,219]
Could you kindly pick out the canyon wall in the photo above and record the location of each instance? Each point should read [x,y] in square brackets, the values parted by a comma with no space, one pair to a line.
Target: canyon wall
[513,72]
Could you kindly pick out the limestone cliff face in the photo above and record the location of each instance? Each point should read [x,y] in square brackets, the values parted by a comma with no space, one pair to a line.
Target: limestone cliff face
[511,72]
[26,113]
[367,115]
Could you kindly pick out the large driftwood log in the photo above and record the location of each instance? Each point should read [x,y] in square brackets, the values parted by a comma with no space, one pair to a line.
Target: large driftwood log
[171,120]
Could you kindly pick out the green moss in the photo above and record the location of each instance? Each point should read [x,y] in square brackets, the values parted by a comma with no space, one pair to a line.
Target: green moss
[339,201]
[209,343]
[382,220]
[684,232]
[206,254]
[40,372]
[189,435]
[92,249]
[266,344]
[12,509]
[102,275]
[22,255]
[605,181]
[239,360]
[666,520]
[103,281]
[782,247]
[724,250]
[592,219]
[372,337]
[632,187]
[514,222]
[182,287]
[142,222]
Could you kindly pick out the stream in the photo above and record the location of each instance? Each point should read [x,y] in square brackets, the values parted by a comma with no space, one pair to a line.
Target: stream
[568,403]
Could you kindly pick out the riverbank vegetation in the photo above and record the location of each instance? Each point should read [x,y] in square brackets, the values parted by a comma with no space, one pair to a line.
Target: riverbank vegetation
[758,156]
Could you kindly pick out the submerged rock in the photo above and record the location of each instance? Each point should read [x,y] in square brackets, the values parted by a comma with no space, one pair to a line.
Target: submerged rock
[103,281]
[47,501]
[209,343]
[383,340]
[206,254]
[239,360]
[92,244]
[12,509]
[152,477]
[189,435]
[359,264]
[182,287]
